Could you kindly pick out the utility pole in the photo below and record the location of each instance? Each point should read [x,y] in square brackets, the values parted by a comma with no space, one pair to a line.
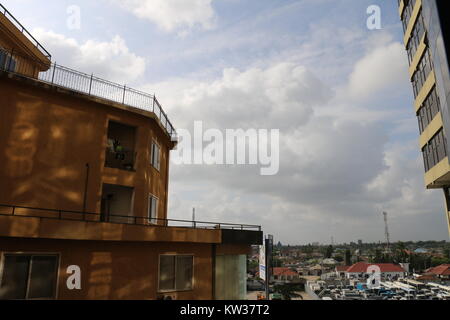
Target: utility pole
[269,248]
[193,217]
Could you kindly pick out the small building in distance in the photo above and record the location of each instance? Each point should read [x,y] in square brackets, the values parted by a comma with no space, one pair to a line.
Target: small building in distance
[441,272]
[361,270]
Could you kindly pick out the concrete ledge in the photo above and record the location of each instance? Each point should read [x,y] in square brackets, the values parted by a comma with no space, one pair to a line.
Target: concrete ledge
[45,228]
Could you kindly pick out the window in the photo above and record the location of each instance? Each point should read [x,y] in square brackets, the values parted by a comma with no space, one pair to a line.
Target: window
[176,272]
[153,209]
[435,150]
[29,276]
[429,109]
[156,155]
[407,13]
[7,62]
[423,70]
[416,37]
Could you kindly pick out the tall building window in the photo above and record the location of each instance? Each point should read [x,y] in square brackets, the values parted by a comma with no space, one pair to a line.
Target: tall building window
[430,108]
[416,37]
[435,150]
[156,156]
[407,12]
[153,209]
[176,272]
[29,276]
[423,71]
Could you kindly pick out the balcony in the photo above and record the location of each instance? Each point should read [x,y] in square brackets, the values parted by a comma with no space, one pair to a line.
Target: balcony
[122,159]
[120,152]
[29,222]
[89,85]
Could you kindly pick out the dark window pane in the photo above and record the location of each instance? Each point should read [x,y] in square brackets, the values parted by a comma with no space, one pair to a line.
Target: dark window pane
[184,272]
[15,277]
[167,273]
[43,277]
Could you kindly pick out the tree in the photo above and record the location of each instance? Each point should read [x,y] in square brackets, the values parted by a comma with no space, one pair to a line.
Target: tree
[276,263]
[288,291]
[329,252]
[400,255]
[435,261]
[378,256]
[348,257]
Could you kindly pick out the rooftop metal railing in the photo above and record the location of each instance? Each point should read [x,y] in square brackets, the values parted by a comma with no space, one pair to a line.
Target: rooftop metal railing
[90,85]
[22,29]
[22,211]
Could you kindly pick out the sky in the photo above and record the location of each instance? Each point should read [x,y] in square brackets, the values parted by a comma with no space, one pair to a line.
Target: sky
[338,92]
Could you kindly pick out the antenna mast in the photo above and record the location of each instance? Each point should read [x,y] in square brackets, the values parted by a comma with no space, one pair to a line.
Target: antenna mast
[386,230]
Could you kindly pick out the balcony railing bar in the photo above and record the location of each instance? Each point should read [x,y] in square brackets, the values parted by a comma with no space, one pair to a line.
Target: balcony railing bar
[146,221]
[91,85]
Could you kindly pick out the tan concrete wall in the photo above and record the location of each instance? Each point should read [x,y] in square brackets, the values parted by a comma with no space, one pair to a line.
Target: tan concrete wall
[118,270]
[30,227]
[47,138]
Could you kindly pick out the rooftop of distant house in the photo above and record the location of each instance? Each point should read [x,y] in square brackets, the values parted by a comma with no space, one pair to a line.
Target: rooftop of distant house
[284,272]
[442,270]
[362,267]
[342,268]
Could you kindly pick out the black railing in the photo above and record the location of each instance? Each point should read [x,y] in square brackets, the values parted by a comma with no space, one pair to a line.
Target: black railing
[123,159]
[90,85]
[21,211]
[22,29]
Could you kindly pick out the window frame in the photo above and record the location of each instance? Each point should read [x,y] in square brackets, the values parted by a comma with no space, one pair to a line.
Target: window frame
[149,213]
[152,155]
[31,255]
[175,270]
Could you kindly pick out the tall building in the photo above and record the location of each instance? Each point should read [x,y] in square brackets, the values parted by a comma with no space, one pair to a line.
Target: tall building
[427,40]
[84,191]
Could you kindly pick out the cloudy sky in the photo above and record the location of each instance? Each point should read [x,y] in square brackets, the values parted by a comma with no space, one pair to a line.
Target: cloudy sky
[338,92]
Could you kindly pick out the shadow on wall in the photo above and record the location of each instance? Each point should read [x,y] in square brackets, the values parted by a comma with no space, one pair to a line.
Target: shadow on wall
[100,276]
[45,153]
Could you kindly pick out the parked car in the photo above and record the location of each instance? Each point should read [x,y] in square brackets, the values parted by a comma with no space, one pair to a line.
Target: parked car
[255,285]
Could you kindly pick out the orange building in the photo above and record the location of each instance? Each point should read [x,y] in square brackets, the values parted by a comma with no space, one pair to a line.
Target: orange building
[84,191]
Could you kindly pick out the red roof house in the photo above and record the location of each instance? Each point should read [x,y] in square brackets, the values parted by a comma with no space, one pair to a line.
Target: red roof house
[442,270]
[341,268]
[361,267]
[284,272]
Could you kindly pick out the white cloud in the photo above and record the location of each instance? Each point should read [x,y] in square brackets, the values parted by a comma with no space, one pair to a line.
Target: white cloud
[382,68]
[110,60]
[337,173]
[281,97]
[171,15]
